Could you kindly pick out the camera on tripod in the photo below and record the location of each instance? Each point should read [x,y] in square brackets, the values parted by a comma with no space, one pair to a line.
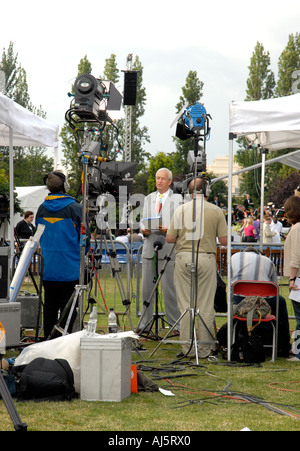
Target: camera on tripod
[197,164]
[93,97]
[93,101]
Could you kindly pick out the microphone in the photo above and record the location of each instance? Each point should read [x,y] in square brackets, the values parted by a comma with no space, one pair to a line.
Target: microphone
[159,243]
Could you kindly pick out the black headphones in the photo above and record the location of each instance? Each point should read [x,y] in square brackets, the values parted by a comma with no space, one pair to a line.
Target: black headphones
[66,185]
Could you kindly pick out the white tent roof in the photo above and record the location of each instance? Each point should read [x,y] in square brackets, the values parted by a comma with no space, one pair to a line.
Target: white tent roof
[20,127]
[30,198]
[272,123]
[28,129]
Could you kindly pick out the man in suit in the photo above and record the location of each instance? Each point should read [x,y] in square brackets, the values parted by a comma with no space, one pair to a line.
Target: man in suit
[248,202]
[160,204]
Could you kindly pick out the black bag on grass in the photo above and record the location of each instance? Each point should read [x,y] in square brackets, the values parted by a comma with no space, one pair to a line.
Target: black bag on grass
[46,380]
[248,349]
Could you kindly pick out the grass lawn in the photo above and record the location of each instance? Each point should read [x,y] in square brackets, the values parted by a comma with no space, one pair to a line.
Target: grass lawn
[213,396]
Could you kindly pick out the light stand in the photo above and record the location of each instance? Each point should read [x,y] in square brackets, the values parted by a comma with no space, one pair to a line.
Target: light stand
[194,131]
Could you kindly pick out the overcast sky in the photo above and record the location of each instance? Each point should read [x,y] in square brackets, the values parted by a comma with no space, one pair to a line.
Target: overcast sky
[171,37]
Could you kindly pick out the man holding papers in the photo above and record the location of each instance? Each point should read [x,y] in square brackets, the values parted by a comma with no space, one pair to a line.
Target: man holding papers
[158,210]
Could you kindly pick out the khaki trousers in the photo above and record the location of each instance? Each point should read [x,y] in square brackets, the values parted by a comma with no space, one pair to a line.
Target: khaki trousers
[206,288]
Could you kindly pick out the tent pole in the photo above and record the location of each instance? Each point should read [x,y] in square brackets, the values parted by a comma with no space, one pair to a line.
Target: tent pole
[262,196]
[11,197]
[55,158]
[229,220]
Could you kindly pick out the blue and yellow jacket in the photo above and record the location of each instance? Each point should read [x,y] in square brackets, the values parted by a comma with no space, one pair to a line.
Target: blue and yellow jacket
[60,243]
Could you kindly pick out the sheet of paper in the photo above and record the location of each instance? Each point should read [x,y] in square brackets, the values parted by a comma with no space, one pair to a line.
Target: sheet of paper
[295,294]
[166,392]
[151,223]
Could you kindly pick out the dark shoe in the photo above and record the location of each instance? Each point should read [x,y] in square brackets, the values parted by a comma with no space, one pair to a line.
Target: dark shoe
[182,354]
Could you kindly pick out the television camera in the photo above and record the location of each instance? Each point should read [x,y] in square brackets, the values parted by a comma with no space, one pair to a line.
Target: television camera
[94,99]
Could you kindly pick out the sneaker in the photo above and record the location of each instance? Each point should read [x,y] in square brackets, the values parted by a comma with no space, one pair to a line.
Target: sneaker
[293,359]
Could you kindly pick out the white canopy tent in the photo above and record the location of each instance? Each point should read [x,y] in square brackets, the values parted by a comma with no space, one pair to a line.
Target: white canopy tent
[272,124]
[30,198]
[20,127]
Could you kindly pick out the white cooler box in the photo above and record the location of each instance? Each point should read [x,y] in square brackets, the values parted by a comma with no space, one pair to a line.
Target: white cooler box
[10,318]
[105,368]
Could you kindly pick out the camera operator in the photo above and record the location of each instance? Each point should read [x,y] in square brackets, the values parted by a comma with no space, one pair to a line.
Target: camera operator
[178,232]
[61,215]
[161,203]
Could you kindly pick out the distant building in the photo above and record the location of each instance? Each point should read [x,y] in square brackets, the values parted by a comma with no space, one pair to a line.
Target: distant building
[220,167]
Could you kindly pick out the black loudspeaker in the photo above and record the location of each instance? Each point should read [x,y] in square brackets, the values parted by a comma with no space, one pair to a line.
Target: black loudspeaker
[130,86]
[4,273]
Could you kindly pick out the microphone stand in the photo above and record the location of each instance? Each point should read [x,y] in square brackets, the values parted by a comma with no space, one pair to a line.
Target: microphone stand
[158,245]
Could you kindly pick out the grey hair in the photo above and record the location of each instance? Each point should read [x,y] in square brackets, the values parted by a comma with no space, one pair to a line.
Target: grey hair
[170,175]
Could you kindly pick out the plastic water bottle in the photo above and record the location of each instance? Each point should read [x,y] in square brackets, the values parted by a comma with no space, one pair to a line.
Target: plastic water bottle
[92,324]
[112,322]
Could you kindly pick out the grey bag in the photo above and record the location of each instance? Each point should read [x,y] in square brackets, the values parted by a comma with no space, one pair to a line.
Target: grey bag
[252,307]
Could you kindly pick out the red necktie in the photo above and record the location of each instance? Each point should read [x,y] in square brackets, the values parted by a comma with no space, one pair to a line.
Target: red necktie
[159,205]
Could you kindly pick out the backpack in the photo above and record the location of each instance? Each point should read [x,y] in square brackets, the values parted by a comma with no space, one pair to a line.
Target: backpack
[250,349]
[252,307]
[45,380]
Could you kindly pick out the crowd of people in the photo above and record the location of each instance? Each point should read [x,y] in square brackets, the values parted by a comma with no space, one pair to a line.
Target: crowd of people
[187,235]
[247,221]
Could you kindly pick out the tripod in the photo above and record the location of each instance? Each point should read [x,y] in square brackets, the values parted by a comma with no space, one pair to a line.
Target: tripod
[156,316]
[9,404]
[69,308]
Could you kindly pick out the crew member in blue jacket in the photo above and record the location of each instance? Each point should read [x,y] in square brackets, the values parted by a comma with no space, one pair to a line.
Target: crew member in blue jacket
[61,215]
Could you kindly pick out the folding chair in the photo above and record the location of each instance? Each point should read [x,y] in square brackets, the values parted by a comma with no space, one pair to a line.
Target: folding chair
[263,289]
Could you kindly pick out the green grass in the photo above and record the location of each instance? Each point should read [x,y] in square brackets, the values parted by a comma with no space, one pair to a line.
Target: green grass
[205,395]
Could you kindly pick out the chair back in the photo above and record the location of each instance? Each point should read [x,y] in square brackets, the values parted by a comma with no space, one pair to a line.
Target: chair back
[255,288]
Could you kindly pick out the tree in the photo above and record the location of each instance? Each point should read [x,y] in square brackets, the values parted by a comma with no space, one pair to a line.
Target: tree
[110,134]
[191,94]
[260,85]
[29,162]
[139,134]
[261,80]
[282,188]
[289,62]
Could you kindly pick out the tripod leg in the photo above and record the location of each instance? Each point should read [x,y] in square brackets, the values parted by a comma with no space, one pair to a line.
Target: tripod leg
[69,308]
[9,404]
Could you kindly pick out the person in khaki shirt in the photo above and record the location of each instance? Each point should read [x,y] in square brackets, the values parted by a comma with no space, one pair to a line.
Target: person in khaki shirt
[213,225]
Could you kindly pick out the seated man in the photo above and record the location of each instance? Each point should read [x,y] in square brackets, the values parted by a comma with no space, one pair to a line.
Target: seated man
[250,264]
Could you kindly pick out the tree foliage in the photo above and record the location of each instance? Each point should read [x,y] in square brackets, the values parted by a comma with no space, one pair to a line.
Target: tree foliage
[289,62]
[282,188]
[30,163]
[260,85]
